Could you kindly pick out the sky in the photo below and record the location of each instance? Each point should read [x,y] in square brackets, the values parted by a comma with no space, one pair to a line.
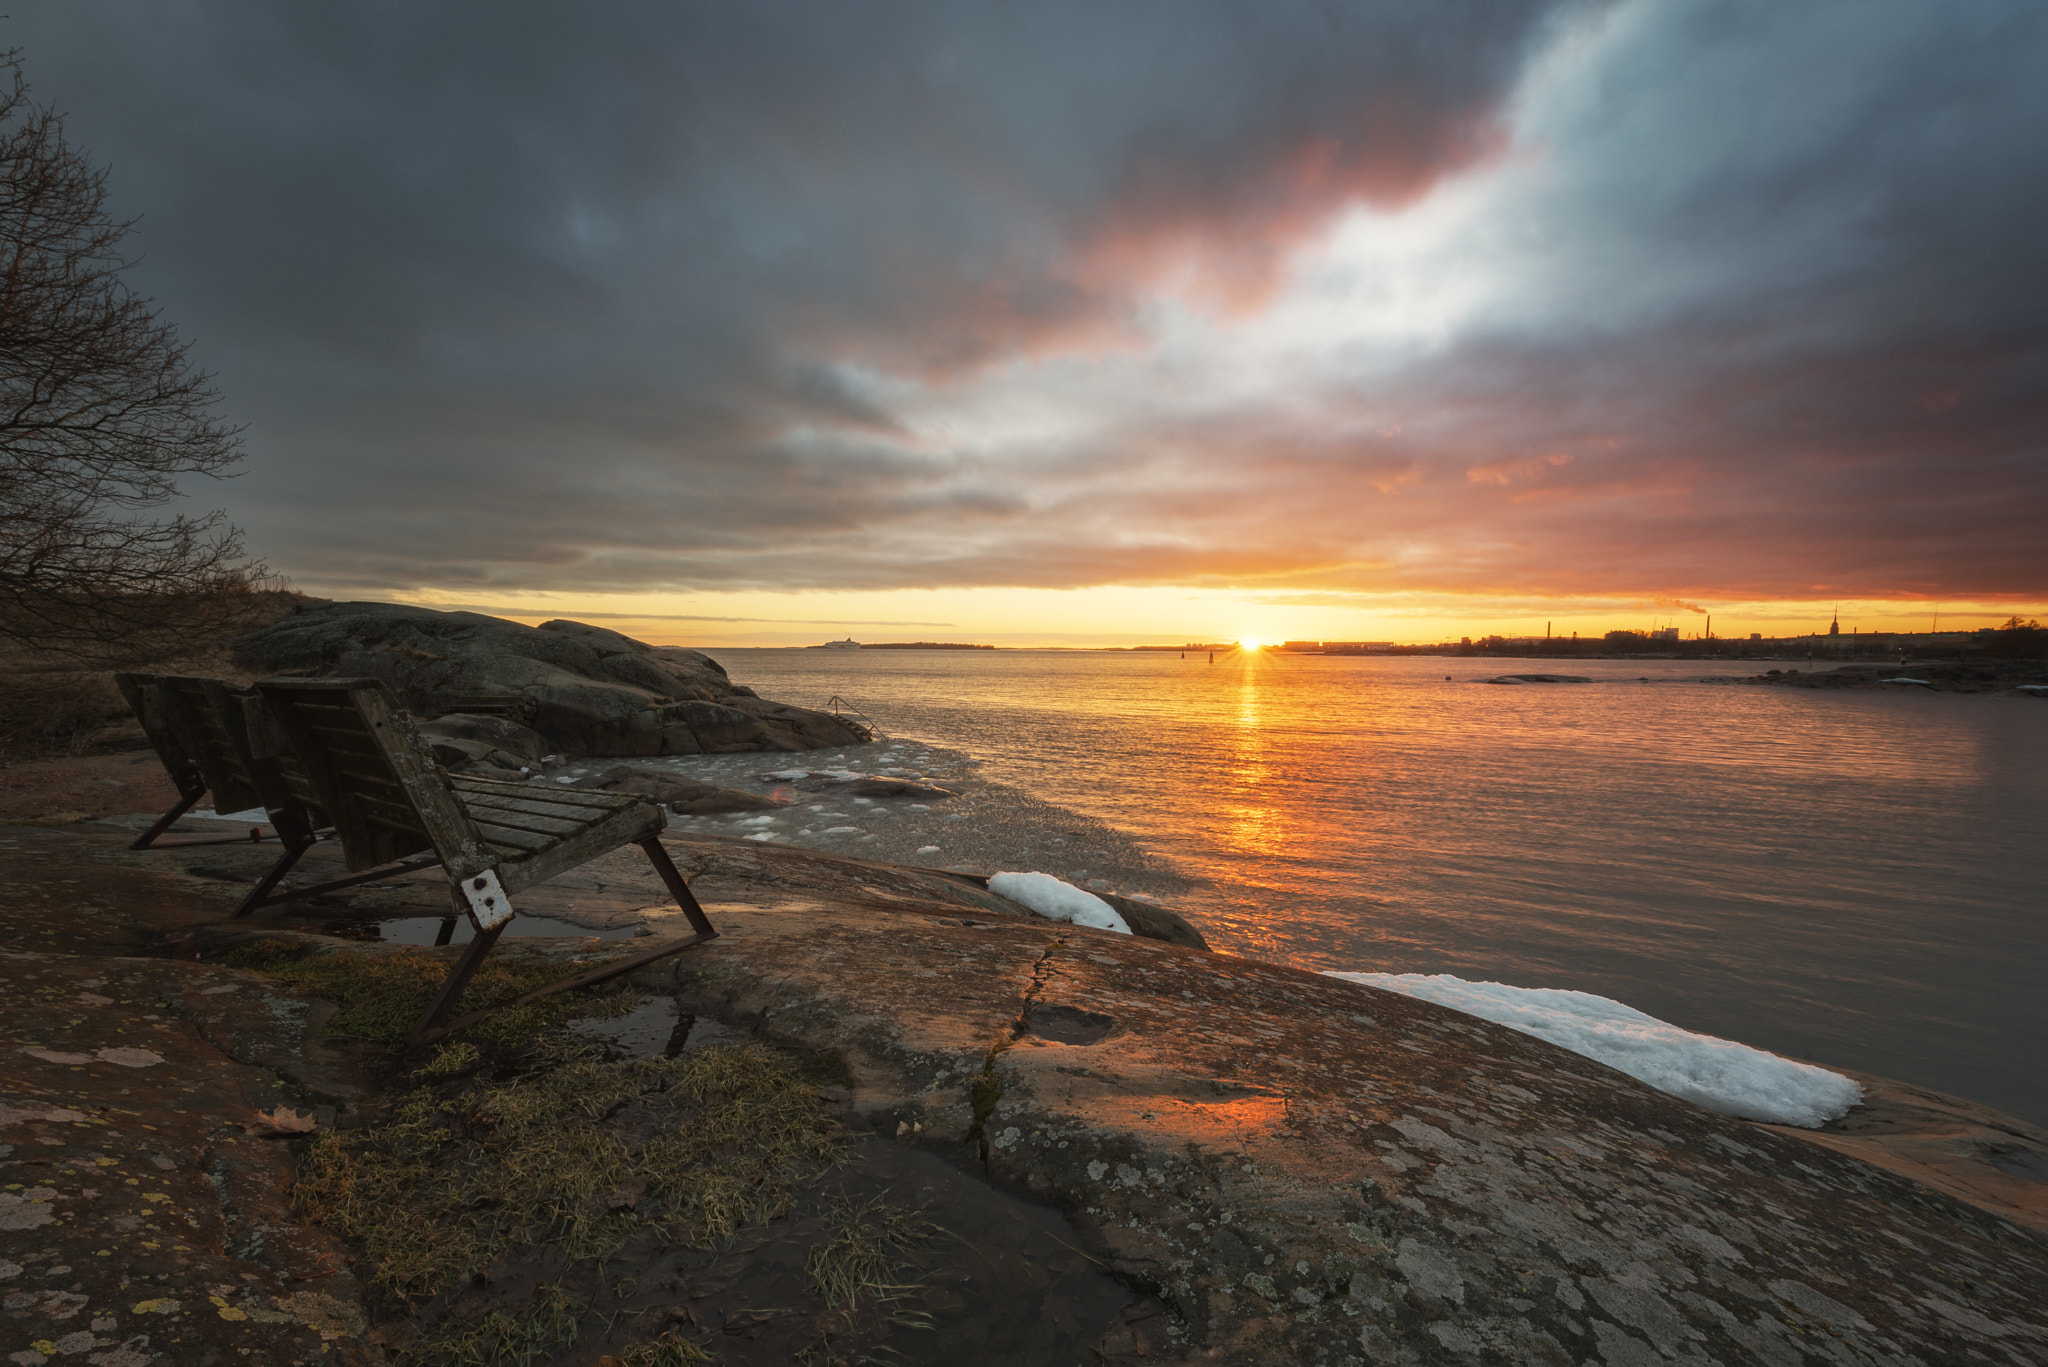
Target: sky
[1073,323]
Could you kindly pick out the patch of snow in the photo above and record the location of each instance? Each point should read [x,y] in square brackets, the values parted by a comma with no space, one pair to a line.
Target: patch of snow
[787,775]
[928,849]
[840,830]
[1058,901]
[762,835]
[1718,1074]
[255,815]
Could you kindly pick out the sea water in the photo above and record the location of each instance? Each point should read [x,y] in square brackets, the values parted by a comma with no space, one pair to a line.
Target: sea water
[1852,878]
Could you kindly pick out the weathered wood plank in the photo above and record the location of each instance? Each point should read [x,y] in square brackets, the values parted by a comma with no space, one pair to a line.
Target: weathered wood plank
[539,804]
[529,841]
[554,811]
[513,793]
[551,827]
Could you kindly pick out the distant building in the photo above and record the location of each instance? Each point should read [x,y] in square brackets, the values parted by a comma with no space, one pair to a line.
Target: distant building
[1664,634]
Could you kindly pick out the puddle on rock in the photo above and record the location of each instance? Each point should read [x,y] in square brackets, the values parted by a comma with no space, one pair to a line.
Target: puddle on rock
[656,1027]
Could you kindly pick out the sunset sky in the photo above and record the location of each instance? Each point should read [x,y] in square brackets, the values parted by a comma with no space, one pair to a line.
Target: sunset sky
[761,323]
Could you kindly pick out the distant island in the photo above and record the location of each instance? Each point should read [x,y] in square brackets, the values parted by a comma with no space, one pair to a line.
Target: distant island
[924,645]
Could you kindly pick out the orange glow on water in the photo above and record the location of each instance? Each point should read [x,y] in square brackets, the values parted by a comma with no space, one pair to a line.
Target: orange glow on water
[1252,825]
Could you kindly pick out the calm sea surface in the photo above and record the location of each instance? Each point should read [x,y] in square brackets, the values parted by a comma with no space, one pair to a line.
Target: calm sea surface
[1852,878]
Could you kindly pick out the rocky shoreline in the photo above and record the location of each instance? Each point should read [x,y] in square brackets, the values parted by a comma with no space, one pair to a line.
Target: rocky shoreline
[2024,677]
[888,1113]
[1206,1158]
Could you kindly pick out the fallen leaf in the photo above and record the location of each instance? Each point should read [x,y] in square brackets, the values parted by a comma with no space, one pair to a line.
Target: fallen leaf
[283,1120]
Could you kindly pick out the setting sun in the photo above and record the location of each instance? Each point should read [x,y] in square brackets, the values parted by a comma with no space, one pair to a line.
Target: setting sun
[1250,643]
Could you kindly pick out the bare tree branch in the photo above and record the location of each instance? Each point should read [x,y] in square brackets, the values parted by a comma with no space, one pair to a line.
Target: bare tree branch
[101,412]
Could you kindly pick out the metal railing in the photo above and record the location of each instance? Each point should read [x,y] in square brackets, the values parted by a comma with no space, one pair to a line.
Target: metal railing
[840,707]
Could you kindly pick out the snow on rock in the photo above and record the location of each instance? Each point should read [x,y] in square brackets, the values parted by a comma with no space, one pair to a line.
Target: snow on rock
[1718,1074]
[255,815]
[1057,901]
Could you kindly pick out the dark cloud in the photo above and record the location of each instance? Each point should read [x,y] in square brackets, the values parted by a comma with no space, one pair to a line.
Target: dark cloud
[821,295]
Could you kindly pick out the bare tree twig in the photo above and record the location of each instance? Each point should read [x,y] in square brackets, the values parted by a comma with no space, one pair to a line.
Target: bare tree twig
[101,413]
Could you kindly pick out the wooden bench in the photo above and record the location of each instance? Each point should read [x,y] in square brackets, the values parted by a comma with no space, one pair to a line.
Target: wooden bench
[361,761]
[200,728]
[178,716]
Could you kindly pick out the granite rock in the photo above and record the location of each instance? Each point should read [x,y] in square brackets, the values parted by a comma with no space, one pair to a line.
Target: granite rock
[684,796]
[586,690]
[1307,1170]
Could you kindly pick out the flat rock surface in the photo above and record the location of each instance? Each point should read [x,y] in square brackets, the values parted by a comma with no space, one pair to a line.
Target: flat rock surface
[142,1104]
[1976,1154]
[1308,1171]
[1264,1165]
[76,787]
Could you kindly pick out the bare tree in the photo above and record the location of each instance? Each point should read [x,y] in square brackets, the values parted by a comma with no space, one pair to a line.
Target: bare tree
[100,413]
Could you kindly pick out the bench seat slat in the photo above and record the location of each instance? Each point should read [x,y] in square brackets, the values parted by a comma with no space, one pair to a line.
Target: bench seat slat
[559,811]
[527,842]
[553,827]
[516,793]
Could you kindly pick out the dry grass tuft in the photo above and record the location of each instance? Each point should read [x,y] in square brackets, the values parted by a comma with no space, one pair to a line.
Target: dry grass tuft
[859,1261]
[575,1156]
[670,1350]
[501,1340]
[381,995]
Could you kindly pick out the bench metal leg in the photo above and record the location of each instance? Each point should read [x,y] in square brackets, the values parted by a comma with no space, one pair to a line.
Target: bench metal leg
[429,1028]
[191,787]
[295,844]
[317,889]
[426,1033]
[658,856]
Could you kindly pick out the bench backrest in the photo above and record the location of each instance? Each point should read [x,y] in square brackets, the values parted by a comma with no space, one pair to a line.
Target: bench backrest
[194,721]
[362,762]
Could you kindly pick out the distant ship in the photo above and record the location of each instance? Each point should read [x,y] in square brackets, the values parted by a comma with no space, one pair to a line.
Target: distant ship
[848,644]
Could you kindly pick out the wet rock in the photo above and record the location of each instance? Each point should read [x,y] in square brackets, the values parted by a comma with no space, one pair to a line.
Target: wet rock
[684,796]
[895,787]
[1938,676]
[584,689]
[755,870]
[462,739]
